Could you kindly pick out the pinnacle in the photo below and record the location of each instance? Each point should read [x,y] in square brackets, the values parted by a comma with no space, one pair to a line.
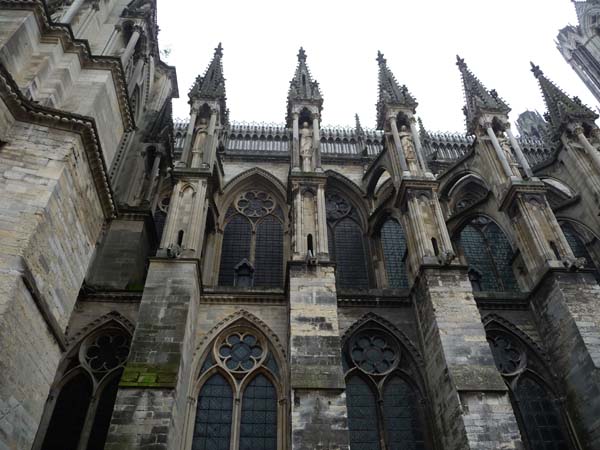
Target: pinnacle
[390,92]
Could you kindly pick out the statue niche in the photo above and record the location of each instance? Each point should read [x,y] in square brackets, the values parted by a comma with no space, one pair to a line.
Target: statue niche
[409,149]
[199,142]
[306,148]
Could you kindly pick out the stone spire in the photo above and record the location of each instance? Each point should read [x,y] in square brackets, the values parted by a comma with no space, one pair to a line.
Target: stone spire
[562,109]
[390,92]
[211,85]
[303,89]
[358,128]
[478,99]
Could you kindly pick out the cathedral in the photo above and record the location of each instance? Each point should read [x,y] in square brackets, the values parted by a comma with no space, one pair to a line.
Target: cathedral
[203,284]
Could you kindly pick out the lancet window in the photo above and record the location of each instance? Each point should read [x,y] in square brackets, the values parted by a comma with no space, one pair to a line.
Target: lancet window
[386,407]
[239,398]
[346,242]
[252,249]
[393,247]
[81,402]
[536,405]
[489,256]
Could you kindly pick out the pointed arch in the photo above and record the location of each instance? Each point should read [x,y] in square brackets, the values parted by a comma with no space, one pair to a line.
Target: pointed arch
[245,179]
[583,242]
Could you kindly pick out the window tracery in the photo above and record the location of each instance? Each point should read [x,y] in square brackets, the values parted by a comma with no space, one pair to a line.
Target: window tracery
[394,247]
[385,405]
[346,242]
[238,402]
[536,405]
[253,235]
[81,402]
[489,256]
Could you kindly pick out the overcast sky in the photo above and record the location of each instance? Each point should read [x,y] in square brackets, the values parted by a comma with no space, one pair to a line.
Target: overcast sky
[420,40]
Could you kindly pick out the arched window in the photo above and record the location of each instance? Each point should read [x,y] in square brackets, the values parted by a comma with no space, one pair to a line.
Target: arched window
[539,414]
[489,256]
[393,246]
[346,243]
[239,395]
[252,250]
[385,404]
[81,402]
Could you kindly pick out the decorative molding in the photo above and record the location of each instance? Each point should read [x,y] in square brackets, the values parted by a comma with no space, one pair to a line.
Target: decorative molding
[100,322]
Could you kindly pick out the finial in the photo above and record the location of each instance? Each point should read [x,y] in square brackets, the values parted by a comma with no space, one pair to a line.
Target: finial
[358,125]
[219,50]
[536,70]
[380,59]
[301,55]
[460,62]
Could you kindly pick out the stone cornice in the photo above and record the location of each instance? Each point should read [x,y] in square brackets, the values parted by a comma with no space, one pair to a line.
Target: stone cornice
[70,44]
[26,111]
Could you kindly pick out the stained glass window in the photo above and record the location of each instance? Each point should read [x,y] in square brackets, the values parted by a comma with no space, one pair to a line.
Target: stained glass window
[489,256]
[393,243]
[269,253]
[403,419]
[258,429]
[362,415]
[236,246]
[540,416]
[212,429]
[350,255]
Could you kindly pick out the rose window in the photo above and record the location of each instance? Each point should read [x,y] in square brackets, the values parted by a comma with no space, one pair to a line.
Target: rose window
[508,355]
[373,354]
[107,351]
[240,352]
[255,204]
[336,206]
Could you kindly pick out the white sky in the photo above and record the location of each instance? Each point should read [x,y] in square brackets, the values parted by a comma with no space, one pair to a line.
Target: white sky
[420,40]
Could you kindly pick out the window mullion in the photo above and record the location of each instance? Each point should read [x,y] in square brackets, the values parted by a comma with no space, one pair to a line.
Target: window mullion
[86,432]
[381,419]
[236,418]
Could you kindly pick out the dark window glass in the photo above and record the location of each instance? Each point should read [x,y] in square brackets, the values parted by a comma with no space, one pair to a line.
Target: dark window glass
[69,414]
[258,429]
[350,255]
[212,430]
[576,244]
[502,254]
[489,256]
[540,416]
[236,247]
[393,243]
[104,414]
[362,415]
[269,253]
[402,416]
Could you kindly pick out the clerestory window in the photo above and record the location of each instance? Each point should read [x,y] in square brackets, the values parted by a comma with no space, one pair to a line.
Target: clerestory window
[238,404]
[394,247]
[252,249]
[346,242]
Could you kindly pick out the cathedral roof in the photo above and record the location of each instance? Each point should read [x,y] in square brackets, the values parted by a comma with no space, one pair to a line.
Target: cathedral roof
[562,109]
[478,100]
[390,92]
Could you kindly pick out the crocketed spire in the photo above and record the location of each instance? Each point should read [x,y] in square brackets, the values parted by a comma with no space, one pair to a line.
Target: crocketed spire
[211,85]
[390,92]
[302,86]
[562,109]
[478,99]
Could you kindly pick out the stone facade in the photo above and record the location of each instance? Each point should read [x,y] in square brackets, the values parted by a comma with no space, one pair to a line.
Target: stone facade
[215,285]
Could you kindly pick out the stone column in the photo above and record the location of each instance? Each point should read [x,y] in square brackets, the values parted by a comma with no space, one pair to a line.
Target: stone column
[322,239]
[589,148]
[72,11]
[295,143]
[133,40]
[499,152]
[398,144]
[519,152]
[187,144]
[210,145]
[318,407]
[316,144]
[151,402]
[418,147]
[154,176]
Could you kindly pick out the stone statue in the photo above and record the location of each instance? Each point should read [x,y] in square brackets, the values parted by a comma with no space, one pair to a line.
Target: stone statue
[409,149]
[508,153]
[306,147]
[199,142]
